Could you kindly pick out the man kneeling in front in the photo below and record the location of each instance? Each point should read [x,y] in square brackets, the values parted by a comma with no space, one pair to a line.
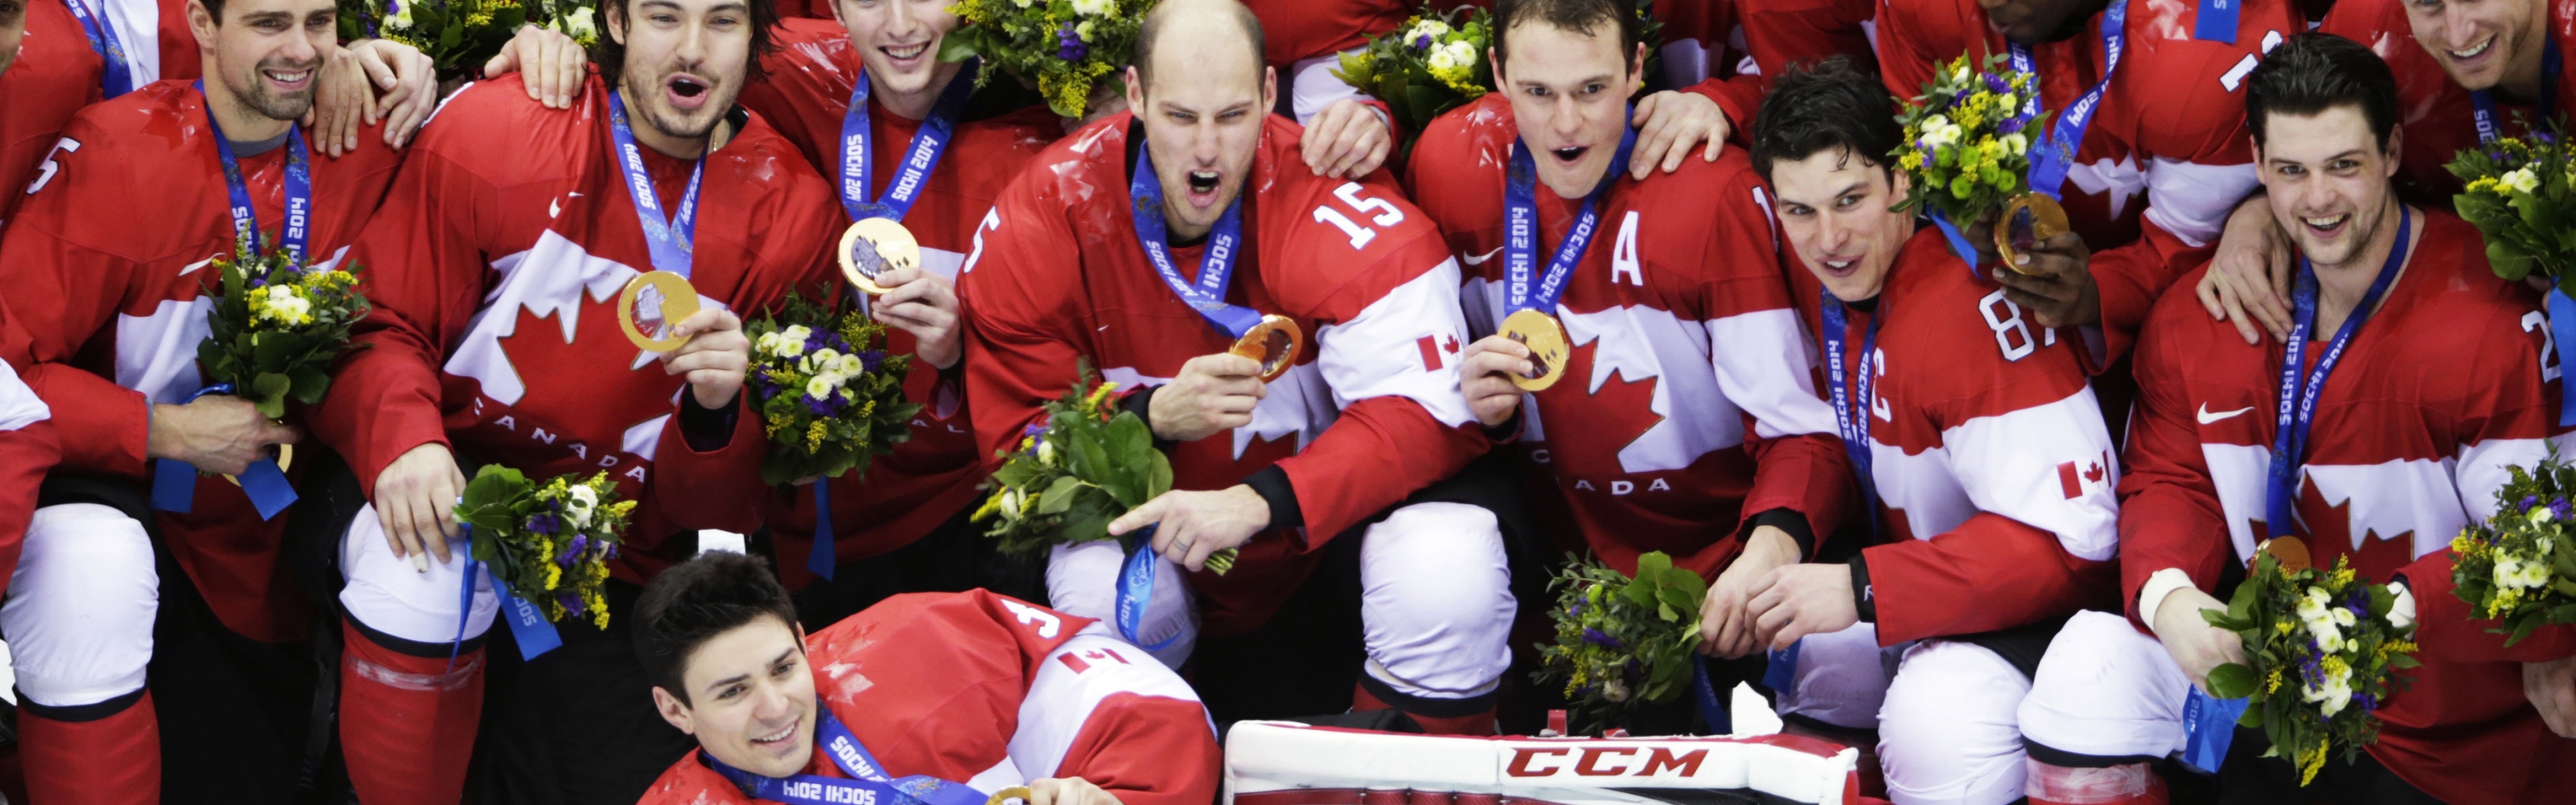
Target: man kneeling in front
[945,698]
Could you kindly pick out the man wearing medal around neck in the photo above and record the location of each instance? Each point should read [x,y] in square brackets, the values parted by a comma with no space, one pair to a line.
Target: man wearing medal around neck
[911,506]
[107,266]
[2433,384]
[936,698]
[496,340]
[2159,161]
[1333,450]
[1976,437]
[1727,459]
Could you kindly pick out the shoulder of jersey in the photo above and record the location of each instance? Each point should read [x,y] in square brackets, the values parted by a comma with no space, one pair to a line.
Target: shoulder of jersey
[2454,247]
[1935,295]
[1934,26]
[1287,194]
[493,128]
[794,32]
[1702,201]
[2379,24]
[147,117]
[1091,157]
[1461,153]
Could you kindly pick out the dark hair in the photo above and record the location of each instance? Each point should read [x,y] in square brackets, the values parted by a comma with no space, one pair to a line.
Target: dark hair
[1824,105]
[2312,72]
[1152,29]
[610,54]
[1574,16]
[696,600]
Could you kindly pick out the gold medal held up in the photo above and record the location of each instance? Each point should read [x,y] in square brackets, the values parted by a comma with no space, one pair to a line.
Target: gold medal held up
[2026,221]
[652,306]
[1275,342]
[285,459]
[873,246]
[1546,341]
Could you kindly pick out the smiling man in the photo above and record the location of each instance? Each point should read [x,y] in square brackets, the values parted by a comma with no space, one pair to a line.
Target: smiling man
[2429,377]
[1979,440]
[1146,245]
[952,697]
[495,340]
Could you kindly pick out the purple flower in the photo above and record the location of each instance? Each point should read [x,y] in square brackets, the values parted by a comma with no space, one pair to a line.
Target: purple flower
[2561,509]
[871,359]
[544,524]
[1422,42]
[2012,125]
[1995,84]
[1575,609]
[2528,501]
[2543,137]
[2369,703]
[573,551]
[1069,45]
[1598,638]
[571,603]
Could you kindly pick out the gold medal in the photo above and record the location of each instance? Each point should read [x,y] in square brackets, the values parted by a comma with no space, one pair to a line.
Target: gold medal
[873,246]
[652,306]
[1545,339]
[285,459]
[2026,221]
[1274,342]
[2292,553]
[1017,792]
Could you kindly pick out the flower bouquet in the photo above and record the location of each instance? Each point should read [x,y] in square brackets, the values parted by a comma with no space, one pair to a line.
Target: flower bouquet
[277,327]
[2517,568]
[1065,46]
[2330,639]
[547,544]
[830,397]
[1086,465]
[2520,196]
[1434,63]
[1967,140]
[460,35]
[1622,641]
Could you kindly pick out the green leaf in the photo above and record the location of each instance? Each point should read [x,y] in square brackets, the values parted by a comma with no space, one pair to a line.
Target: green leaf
[1665,611]
[310,384]
[2232,681]
[268,391]
[1059,495]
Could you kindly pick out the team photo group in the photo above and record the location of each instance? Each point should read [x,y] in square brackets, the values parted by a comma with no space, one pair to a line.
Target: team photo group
[1286,402]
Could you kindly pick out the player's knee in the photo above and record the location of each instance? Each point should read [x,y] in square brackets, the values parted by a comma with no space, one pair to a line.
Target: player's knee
[391,598]
[1086,579]
[1841,678]
[1437,596]
[1947,732]
[2105,690]
[81,605]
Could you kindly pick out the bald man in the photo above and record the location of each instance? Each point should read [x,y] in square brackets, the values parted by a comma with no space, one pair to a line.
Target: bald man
[1331,472]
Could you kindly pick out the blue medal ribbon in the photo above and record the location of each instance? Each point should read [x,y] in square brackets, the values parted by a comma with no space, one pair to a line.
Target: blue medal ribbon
[528,624]
[297,229]
[1216,267]
[824,557]
[2208,728]
[174,482]
[667,238]
[2050,162]
[1712,710]
[867,784]
[1851,405]
[1136,589]
[1522,291]
[118,77]
[2300,389]
[2216,21]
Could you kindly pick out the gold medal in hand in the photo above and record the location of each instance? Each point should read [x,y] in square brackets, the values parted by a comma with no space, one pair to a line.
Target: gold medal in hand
[873,246]
[1275,342]
[1546,341]
[2027,221]
[652,307]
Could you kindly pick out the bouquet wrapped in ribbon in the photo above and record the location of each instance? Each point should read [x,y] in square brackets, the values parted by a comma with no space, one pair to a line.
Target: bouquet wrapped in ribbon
[2322,652]
[277,327]
[1434,63]
[830,397]
[1967,144]
[460,35]
[546,545]
[2522,198]
[1086,465]
[1064,46]
[1624,641]
[2520,566]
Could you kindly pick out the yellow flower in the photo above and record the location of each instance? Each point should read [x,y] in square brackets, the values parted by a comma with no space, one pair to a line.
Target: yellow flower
[814,435]
[1099,394]
[992,504]
[554,576]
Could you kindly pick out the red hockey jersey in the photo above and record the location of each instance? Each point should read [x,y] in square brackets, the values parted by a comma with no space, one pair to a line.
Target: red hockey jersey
[1706,39]
[1993,467]
[105,269]
[1304,29]
[933,475]
[2434,110]
[979,689]
[495,269]
[28,449]
[2434,397]
[1690,400]
[2170,127]
[57,73]
[1362,421]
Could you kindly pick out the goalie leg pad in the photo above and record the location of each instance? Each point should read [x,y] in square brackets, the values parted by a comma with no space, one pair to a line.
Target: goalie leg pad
[1436,598]
[1948,733]
[1082,579]
[2104,689]
[79,624]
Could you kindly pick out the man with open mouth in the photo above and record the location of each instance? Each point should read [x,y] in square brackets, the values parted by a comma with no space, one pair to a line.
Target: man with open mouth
[943,698]
[1146,245]
[494,270]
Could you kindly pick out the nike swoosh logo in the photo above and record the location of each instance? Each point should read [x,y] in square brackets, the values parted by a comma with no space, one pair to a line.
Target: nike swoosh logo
[1479,259]
[2206,417]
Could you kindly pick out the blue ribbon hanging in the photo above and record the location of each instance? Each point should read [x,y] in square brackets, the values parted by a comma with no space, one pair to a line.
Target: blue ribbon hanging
[1523,290]
[2217,21]
[1216,267]
[528,624]
[825,556]
[2562,326]
[1136,590]
[867,784]
[669,240]
[293,234]
[2050,163]
[2482,102]
[1852,405]
[174,482]
[2300,387]
[858,170]
[2208,727]
[118,76]
[1712,710]
[1958,242]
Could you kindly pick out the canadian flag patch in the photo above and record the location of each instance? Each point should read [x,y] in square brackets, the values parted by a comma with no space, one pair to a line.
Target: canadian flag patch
[2073,477]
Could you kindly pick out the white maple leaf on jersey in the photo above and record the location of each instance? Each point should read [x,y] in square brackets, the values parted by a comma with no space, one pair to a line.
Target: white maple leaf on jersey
[2386,499]
[156,353]
[2122,180]
[1627,342]
[1299,404]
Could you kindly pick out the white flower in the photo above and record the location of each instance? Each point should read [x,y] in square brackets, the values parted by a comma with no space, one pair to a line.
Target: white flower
[1431,28]
[791,342]
[2539,514]
[2522,180]
[1046,453]
[1020,3]
[817,388]
[578,502]
[1614,690]
[1442,59]
[2509,572]
[400,20]
[2532,576]
[1960,75]
[1938,131]
[2018,142]
[582,23]
[1011,501]
[2401,613]
[1462,52]
[1082,30]
[767,345]
[848,365]
[1095,8]
[2330,697]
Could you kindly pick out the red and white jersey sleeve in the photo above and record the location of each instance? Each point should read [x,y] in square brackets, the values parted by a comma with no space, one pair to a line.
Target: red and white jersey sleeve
[495,268]
[28,448]
[57,73]
[2170,128]
[2434,398]
[1991,459]
[990,692]
[1690,399]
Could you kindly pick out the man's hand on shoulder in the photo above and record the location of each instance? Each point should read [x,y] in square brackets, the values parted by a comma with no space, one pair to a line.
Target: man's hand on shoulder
[1347,140]
[553,64]
[1669,124]
[2248,283]
[1191,526]
[1214,394]
[348,97]
[1069,791]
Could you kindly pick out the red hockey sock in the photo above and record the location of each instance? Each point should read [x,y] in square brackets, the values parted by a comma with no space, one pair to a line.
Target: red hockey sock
[407,722]
[111,759]
[1477,723]
[2129,784]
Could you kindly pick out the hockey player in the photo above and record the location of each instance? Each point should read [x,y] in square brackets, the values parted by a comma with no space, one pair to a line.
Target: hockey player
[950,697]
[1335,448]
[1725,459]
[495,339]
[1975,435]
[106,270]
[870,87]
[28,446]
[2419,378]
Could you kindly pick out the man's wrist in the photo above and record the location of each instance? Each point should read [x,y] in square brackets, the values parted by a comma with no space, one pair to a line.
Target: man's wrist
[1141,403]
[1864,599]
[2160,586]
[1280,496]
